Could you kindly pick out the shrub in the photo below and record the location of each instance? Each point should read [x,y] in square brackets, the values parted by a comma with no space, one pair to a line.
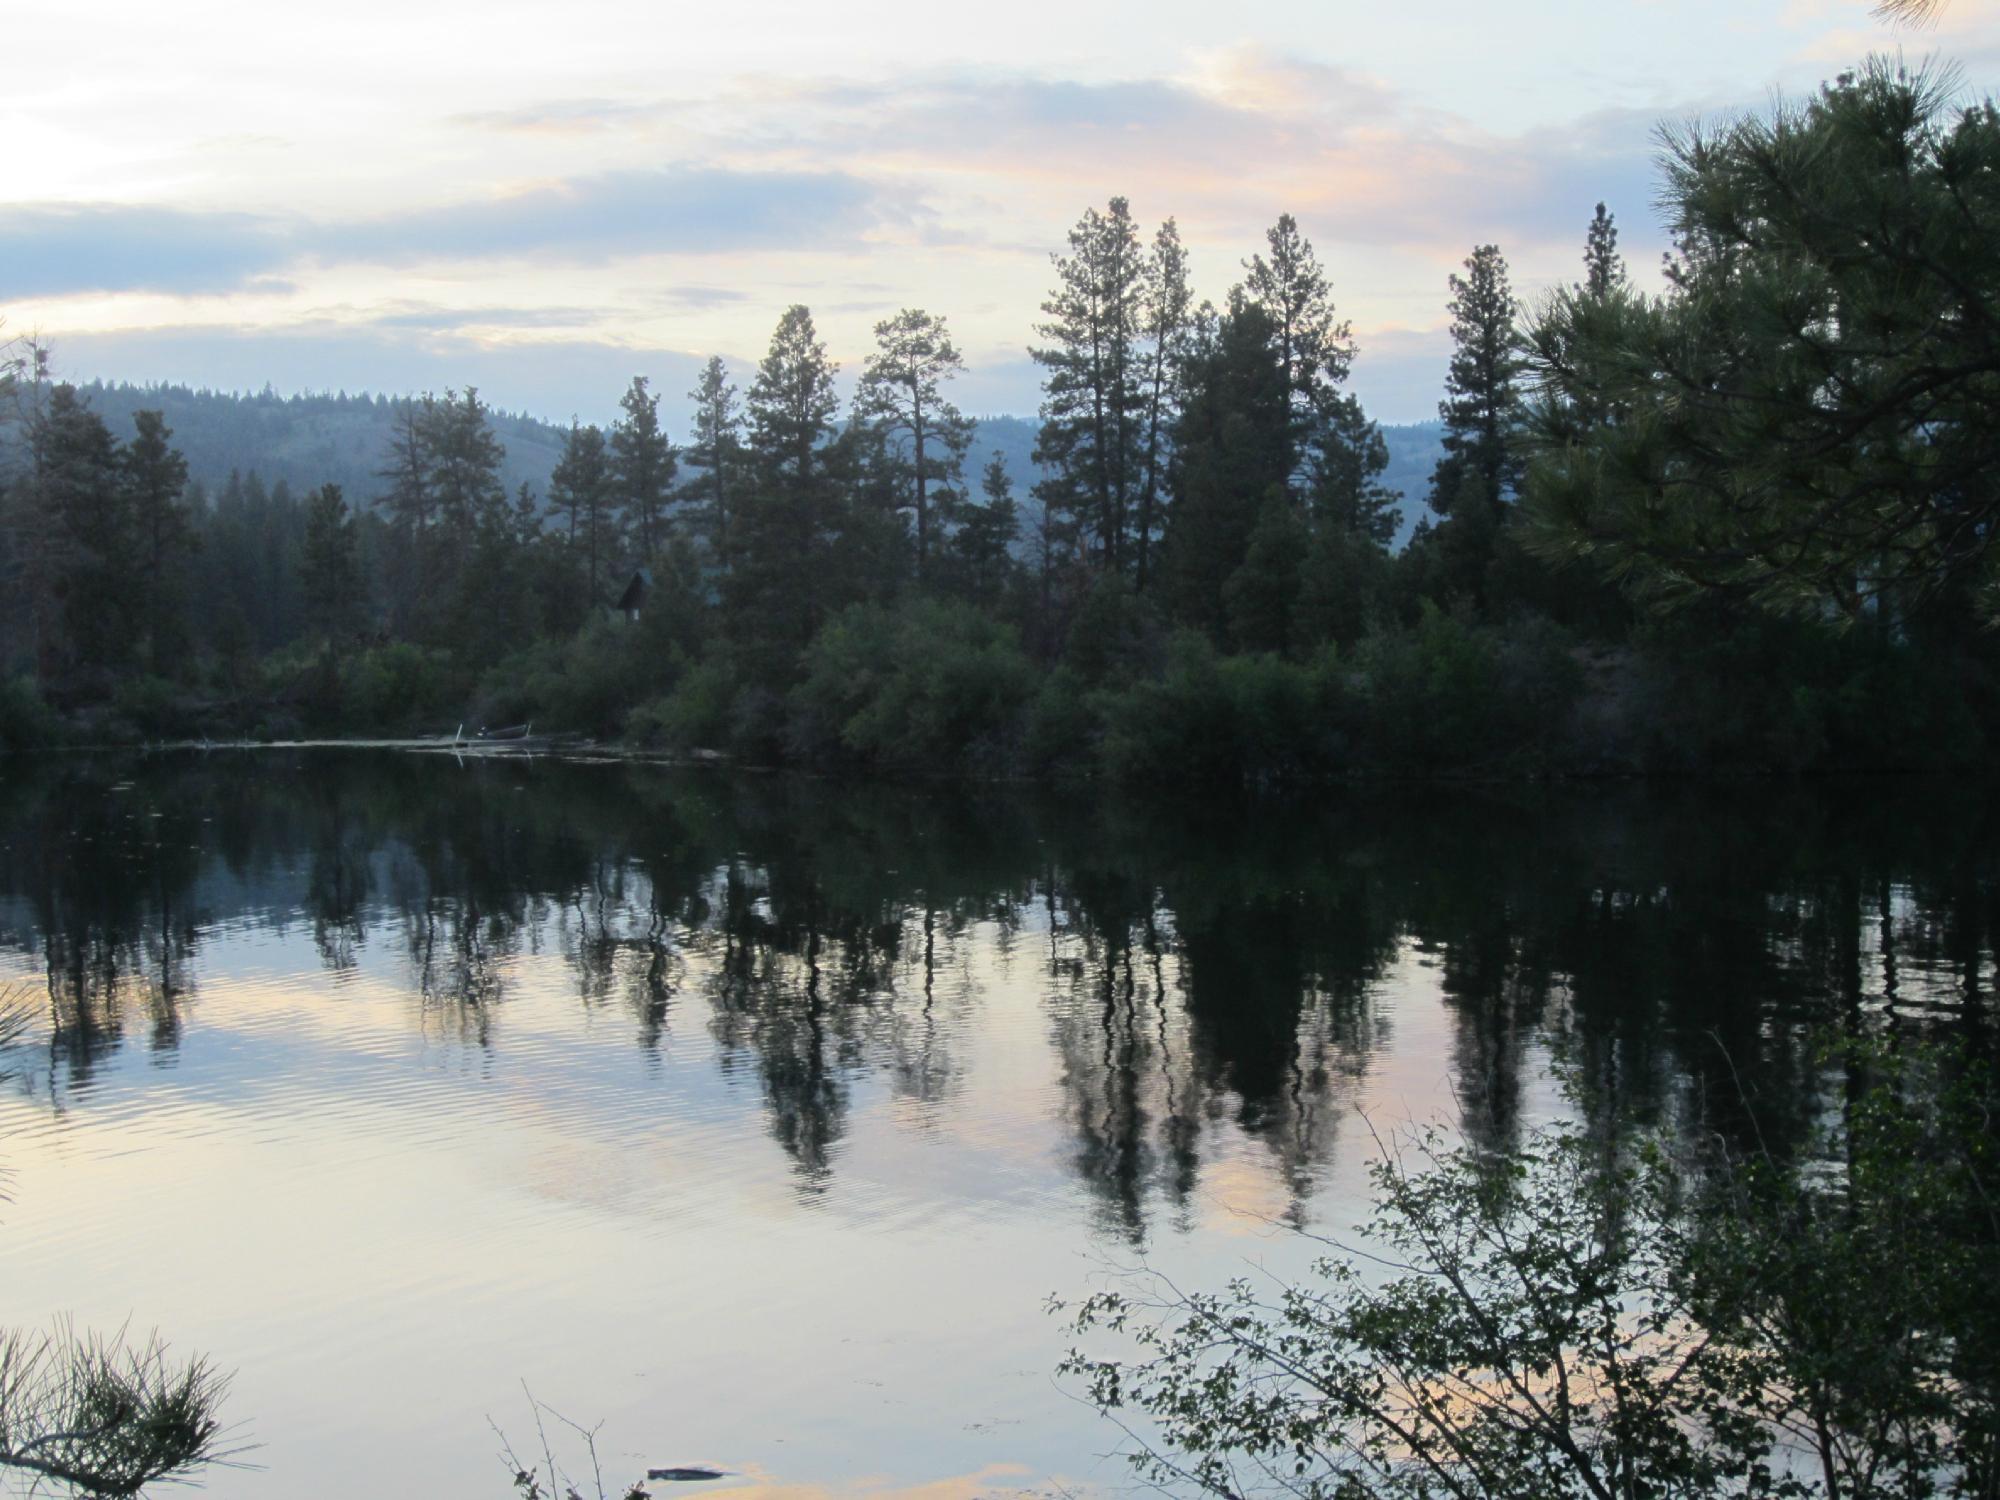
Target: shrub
[1447,695]
[399,688]
[1249,720]
[930,684]
[694,715]
[26,721]
[1594,1317]
[586,683]
[1063,727]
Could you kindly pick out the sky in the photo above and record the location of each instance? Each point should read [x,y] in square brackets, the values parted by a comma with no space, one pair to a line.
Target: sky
[543,200]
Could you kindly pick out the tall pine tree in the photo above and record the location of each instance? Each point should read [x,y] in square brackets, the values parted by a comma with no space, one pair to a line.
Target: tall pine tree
[1603,266]
[582,489]
[1168,313]
[157,475]
[1314,346]
[717,450]
[781,581]
[1483,460]
[916,427]
[642,456]
[1093,397]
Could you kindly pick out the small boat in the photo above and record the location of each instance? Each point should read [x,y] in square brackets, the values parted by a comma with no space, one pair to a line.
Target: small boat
[511,732]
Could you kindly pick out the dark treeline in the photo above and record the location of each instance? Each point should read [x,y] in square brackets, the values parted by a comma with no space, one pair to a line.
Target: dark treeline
[1683,945]
[1196,582]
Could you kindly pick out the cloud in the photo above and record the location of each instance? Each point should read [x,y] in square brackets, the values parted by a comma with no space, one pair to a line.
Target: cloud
[61,249]
[610,215]
[49,249]
[557,117]
[1246,134]
[434,318]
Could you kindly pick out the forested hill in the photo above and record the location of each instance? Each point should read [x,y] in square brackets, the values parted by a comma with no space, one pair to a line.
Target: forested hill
[308,441]
[305,441]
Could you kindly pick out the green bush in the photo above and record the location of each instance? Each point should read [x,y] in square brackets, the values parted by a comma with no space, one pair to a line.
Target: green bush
[1446,695]
[400,689]
[1064,727]
[156,709]
[1249,720]
[26,721]
[1115,636]
[587,683]
[695,715]
[929,684]
[1762,694]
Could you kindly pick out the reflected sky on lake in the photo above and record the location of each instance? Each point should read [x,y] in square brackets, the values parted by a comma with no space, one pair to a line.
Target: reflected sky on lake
[758,1116]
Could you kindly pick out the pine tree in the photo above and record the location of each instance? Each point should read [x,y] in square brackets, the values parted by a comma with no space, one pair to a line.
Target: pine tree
[157,476]
[330,566]
[1805,419]
[1261,598]
[1315,347]
[581,488]
[642,457]
[1482,408]
[1168,323]
[1603,266]
[920,433]
[1482,466]
[781,582]
[1231,441]
[1092,393]
[717,448]
[1349,457]
[467,505]
[981,549]
[94,555]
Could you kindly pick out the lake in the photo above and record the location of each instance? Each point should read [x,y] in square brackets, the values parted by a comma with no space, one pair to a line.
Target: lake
[756,1117]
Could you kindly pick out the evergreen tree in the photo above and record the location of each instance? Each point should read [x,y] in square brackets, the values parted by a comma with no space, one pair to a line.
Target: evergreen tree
[1806,418]
[1314,346]
[780,583]
[717,448]
[407,498]
[1349,457]
[157,476]
[1344,588]
[921,435]
[1261,598]
[1232,444]
[582,490]
[643,459]
[1483,460]
[1603,266]
[1482,407]
[982,560]
[1168,324]
[330,566]
[1093,398]
[464,463]
[93,552]
[27,586]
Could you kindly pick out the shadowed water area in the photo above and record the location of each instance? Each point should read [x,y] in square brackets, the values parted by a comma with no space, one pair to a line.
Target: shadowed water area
[757,1116]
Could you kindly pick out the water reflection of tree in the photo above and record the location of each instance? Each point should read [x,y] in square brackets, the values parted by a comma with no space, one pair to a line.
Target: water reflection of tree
[1209,972]
[107,877]
[1226,971]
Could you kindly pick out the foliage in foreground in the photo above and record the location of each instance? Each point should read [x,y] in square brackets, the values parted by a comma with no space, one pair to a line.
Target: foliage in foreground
[96,1415]
[103,1417]
[1806,418]
[1583,1319]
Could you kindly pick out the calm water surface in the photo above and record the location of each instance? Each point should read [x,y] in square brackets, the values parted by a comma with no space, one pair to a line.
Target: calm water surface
[757,1117]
